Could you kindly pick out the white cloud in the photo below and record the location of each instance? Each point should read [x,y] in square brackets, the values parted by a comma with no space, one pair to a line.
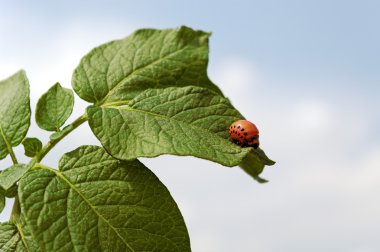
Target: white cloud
[236,76]
[312,117]
[235,72]
[363,249]
[207,241]
[7,70]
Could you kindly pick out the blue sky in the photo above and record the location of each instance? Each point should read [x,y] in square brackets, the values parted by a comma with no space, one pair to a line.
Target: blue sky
[306,72]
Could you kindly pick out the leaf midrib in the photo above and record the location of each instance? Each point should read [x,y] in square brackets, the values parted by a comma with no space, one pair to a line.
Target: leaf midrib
[165,117]
[21,233]
[9,147]
[61,176]
[180,122]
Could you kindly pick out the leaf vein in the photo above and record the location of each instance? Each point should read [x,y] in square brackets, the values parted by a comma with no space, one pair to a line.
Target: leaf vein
[61,176]
[112,90]
[22,236]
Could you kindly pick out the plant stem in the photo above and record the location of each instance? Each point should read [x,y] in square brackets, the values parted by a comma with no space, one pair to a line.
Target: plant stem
[42,166]
[13,156]
[9,147]
[16,210]
[65,131]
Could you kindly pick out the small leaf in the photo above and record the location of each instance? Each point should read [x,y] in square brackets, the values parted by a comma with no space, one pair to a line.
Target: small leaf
[14,111]
[11,175]
[11,192]
[60,134]
[16,237]
[56,135]
[121,69]
[187,121]
[32,146]
[254,164]
[54,107]
[97,203]
[263,157]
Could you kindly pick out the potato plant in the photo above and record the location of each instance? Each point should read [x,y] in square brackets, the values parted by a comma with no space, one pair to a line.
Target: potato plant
[149,95]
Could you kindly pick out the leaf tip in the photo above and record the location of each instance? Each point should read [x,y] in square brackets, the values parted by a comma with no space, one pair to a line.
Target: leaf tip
[260,180]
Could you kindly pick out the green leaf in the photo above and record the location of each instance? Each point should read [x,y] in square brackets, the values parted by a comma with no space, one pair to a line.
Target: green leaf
[263,157]
[11,192]
[16,237]
[14,111]
[254,164]
[32,146]
[121,69]
[97,203]
[56,135]
[10,239]
[187,121]
[11,175]
[54,107]
[2,201]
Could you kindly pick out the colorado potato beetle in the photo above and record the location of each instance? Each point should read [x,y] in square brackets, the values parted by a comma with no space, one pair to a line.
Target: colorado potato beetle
[244,133]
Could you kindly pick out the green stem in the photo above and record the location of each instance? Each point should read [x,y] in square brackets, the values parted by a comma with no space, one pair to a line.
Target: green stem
[16,210]
[13,156]
[69,128]
[9,147]
[41,166]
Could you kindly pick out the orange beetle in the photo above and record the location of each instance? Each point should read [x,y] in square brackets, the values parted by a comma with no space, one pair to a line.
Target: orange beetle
[245,133]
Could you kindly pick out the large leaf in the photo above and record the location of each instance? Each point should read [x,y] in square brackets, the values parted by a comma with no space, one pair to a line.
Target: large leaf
[180,121]
[97,203]
[15,237]
[14,111]
[121,69]
[54,107]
